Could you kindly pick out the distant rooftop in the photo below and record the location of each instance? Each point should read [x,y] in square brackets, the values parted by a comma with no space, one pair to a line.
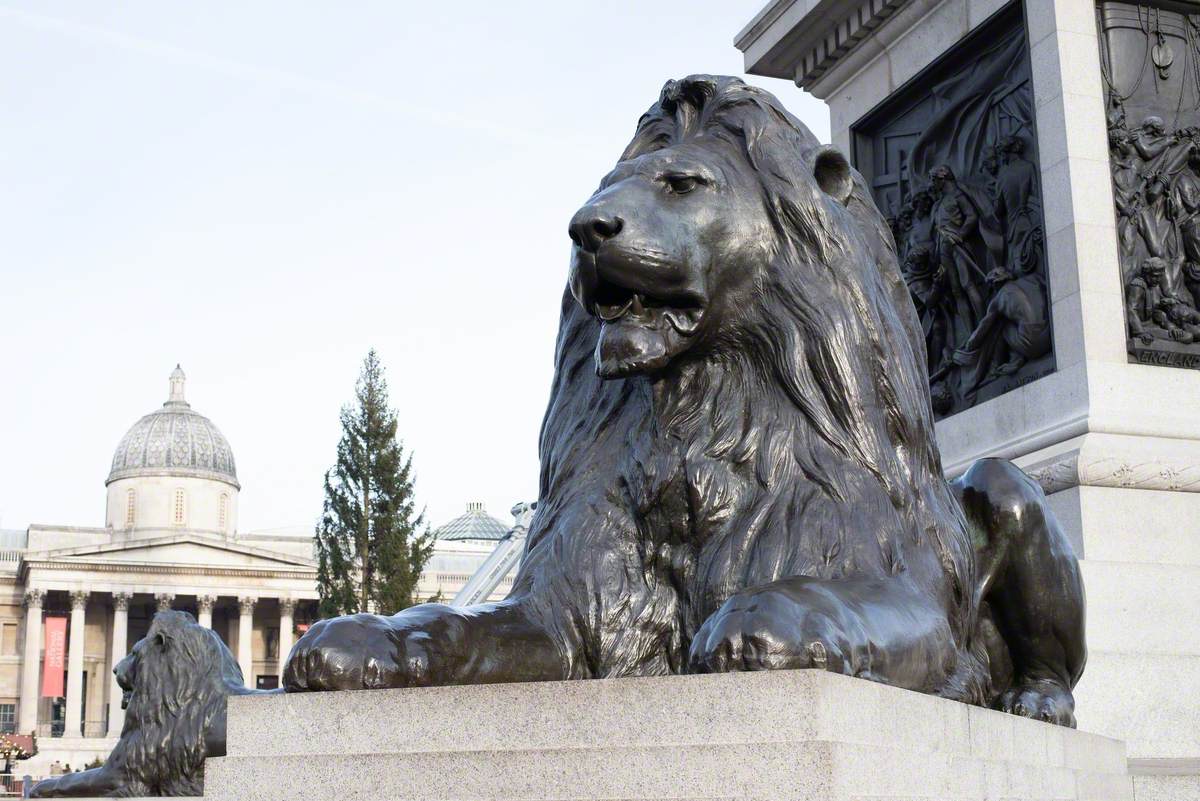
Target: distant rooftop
[476,524]
[13,539]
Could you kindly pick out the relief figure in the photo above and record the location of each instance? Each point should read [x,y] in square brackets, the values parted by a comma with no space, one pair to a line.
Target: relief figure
[956,221]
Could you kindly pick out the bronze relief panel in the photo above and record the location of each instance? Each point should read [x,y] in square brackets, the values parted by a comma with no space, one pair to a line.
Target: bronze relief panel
[952,160]
[1150,62]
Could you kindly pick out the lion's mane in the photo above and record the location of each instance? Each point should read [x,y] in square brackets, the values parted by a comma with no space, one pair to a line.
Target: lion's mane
[803,447]
[182,675]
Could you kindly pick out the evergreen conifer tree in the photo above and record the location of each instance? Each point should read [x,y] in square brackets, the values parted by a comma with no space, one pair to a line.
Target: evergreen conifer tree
[371,543]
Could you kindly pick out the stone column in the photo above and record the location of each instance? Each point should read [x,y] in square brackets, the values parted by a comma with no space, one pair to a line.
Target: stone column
[287,608]
[204,605]
[31,662]
[164,601]
[245,638]
[74,721]
[120,646]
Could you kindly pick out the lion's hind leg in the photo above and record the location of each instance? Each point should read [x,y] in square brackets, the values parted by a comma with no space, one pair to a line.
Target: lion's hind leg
[1029,577]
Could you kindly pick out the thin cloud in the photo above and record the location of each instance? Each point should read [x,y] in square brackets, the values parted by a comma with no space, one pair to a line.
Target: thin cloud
[268,76]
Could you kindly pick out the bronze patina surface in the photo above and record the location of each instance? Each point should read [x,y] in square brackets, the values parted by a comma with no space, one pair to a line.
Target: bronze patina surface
[739,469]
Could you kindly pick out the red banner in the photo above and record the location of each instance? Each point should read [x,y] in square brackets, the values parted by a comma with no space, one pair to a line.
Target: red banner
[56,657]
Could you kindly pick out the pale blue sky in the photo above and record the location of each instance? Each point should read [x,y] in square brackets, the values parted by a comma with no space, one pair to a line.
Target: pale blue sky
[264,190]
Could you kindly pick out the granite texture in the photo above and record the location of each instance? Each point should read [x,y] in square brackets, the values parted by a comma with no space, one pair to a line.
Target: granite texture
[791,706]
[777,735]
[807,770]
[1167,788]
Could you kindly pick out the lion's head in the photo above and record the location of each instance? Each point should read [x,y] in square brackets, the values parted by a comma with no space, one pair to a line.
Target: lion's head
[176,680]
[721,204]
[171,666]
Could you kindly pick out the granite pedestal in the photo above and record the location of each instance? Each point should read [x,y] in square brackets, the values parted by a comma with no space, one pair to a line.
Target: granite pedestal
[1113,438]
[780,735]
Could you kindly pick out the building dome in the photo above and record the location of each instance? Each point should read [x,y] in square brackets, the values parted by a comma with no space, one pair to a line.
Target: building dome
[174,441]
[476,524]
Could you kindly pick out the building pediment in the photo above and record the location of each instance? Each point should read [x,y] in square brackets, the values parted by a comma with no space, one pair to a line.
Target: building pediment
[174,551]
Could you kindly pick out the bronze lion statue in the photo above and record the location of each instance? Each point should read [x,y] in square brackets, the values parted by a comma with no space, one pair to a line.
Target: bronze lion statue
[739,469]
[176,682]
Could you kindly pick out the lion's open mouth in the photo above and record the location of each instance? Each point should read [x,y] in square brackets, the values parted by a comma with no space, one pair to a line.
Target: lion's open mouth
[125,696]
[640,332]
[612,302]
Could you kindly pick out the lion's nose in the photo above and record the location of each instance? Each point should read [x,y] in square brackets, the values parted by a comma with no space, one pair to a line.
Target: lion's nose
[591,227]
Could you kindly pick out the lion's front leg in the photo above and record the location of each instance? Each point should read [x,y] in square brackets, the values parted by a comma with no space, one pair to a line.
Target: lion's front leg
[428,644]
[883,630]
[101,782]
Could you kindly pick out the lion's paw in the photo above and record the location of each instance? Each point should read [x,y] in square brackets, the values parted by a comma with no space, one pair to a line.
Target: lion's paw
[767,630]
[1041,699]
[43,789]
[355,652]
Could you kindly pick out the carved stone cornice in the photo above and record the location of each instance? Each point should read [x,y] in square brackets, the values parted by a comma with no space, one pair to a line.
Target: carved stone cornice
[246,605]
[79,600]
[1152,474]
[305,574]
[121,601]
[33,598]
[1122,462]
[776,44]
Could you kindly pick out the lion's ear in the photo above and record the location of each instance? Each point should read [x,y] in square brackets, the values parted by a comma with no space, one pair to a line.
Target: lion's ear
[832,172]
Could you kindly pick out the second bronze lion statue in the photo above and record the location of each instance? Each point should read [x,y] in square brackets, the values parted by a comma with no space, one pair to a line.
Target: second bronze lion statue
[739,469]
[177,680]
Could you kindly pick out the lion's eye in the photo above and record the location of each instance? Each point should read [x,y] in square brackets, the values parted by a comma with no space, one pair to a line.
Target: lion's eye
[681,184]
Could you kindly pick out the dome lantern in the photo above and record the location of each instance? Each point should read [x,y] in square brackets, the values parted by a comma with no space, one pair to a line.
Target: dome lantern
[177,381]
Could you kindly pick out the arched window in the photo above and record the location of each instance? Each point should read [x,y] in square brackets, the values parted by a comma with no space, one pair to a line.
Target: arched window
[179,510]
[221,511]
[130,508]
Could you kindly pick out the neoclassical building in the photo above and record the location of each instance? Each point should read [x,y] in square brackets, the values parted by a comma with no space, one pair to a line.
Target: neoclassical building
[170,540]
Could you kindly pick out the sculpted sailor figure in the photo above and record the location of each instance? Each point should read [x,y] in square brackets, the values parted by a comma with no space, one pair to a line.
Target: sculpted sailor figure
[921,231]
[1124,165]
[1151,141]
[1153,311]
[956,221]
[739,469]
[1152,217]
[1016,192]
[1015,329]
[1187,206]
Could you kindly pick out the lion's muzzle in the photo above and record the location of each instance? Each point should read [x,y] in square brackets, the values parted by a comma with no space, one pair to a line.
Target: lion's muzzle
[591,227]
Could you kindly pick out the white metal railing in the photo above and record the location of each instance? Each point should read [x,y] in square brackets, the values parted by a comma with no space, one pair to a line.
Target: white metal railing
[12,785]
[462,578]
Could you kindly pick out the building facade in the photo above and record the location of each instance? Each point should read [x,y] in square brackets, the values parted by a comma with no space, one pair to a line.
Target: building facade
[74,600]
[461,547]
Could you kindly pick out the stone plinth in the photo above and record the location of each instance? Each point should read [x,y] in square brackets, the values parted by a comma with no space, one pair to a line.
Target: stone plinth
[1115,444]
[779,735]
